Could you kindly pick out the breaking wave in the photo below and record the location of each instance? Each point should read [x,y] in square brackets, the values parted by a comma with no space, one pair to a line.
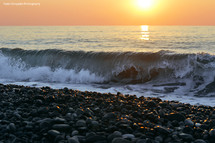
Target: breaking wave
[109,67]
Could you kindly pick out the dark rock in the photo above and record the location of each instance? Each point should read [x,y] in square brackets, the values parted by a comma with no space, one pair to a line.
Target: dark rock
[114,135]
[186,137]
[199,141]
[61,127]
[12,127]
[94,123]
[151,104]
[73,140]
[58,139]
[81,123]
[159,139]
[58,120]
[141,141]
[128,136]
[53,133]
[120,140]
[75,132]
[176,116]
[162,130]
[95,138]
[189,123]
[212,133]
[109,116]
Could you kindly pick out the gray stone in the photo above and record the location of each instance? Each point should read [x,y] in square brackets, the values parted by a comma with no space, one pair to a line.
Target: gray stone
[61,127]
[189,123]
[95,138]
[120,140]
[151,104]
[79,111]
[114,135]
[58,120]
[176,116]
[73,140]
[109,116]
[75,132]
[199,141]
[186,137]
[141,141]
[128,136]
[159,138]
[81,123]
[12,127]
[95,123]
[212,133]
[197,124]
[162,130]
[53,133]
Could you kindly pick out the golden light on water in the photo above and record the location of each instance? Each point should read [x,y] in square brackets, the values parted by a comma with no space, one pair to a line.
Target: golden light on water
[144,28]
[144,32]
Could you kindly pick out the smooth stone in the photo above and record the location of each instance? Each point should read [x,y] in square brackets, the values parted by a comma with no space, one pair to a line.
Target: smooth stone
[114,135]
[90,134]
[53,133]
[189,123]
[61,127]
[12,127]
[120,140]
[79,111]
[81,123]
[151,104]
[141,141]
[95,123]
[159,138]
[162,130]
[109,116]
[73,140]
[199,141]
[176,116]
[128,136]
[58,139]
[75,132]
[45,123]
[95,138]
[212,133]
[197,124]
[186,137]
[58,120]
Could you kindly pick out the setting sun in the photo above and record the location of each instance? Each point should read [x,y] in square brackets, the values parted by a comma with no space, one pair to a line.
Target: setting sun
[145,4]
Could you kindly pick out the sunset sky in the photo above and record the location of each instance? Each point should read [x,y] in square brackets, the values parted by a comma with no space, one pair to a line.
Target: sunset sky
[108,12]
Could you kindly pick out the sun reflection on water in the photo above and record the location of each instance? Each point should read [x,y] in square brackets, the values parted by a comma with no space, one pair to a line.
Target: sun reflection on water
[144,32]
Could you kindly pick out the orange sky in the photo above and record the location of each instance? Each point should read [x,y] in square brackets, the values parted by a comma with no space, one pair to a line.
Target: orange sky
[108,12]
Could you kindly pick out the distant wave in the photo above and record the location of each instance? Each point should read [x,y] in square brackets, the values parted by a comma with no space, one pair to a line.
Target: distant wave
[107,67]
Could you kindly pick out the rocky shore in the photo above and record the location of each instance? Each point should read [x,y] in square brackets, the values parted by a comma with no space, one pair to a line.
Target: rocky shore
[46,115]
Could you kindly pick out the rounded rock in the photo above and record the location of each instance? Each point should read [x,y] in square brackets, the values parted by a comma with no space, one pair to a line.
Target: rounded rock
[128,136]
[186,137]
[61,127]
[199,141]
[189,123]
[176,116]
[120,140]
[115,134]
[81,123]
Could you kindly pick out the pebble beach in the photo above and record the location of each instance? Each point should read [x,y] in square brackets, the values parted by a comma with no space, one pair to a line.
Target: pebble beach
[46,115]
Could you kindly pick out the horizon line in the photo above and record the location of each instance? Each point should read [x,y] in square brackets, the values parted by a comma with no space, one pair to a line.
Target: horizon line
[116,25]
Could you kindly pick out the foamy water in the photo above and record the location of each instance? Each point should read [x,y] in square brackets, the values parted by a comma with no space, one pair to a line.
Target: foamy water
[170,62]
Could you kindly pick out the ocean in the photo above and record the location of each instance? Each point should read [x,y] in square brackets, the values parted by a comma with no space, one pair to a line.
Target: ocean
[169,62]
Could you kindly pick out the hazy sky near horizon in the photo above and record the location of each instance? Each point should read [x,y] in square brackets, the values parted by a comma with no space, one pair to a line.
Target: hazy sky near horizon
[108,12]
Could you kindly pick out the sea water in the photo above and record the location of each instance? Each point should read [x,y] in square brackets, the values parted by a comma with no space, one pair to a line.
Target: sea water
[169,62]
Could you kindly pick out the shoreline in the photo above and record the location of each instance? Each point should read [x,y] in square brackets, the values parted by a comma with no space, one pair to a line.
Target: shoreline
[30,114]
